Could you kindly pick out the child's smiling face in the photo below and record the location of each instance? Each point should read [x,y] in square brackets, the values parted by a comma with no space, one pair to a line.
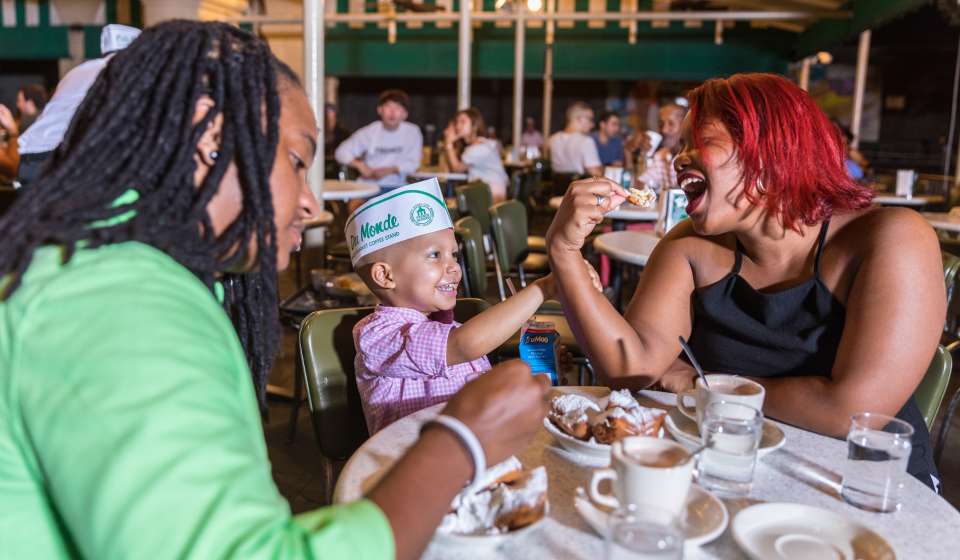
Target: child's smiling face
[420,273]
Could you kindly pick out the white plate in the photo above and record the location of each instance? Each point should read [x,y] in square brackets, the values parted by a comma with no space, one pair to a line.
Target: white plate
[488,542]
[799,532]
[592,450]
[685,431]
[706,516]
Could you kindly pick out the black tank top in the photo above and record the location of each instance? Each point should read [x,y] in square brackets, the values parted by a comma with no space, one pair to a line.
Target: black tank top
[791,332]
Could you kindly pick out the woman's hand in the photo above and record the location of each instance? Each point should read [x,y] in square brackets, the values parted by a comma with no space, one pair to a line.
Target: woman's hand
[594,277]
[7,122]
[504,407]
[450,134]
[547,287]
[583,207]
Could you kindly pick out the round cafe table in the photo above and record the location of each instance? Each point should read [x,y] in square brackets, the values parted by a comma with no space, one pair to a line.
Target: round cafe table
[805,470]
[630,247]
[626,213]
[943,221]
[915,201]
[348,190]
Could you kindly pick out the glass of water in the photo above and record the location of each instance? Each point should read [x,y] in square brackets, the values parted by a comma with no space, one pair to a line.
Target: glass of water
[731,434]
[878,447]
[644,533]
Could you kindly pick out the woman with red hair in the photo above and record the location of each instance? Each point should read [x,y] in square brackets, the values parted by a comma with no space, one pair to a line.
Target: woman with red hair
[784,272]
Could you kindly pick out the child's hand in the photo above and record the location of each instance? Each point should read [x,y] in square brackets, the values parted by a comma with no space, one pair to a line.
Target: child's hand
[547,287]
[594,277]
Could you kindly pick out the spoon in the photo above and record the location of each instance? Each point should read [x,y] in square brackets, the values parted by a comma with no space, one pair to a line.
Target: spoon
[693,361]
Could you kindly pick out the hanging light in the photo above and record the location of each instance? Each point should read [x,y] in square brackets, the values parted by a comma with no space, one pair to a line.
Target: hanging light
[823,57]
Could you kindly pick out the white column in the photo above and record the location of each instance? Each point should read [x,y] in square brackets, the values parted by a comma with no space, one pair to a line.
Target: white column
[863,59]
[805,74]
[463,67]
[518,48]
[313,31]
[548,74]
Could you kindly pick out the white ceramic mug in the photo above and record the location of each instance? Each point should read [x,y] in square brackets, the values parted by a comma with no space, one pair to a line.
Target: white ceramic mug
[638,479]
[729,388]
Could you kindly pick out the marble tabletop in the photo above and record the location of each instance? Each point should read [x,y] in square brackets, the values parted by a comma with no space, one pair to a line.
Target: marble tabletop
[805,470]
[631,247]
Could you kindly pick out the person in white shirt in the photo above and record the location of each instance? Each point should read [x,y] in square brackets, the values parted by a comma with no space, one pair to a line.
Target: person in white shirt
[37,143]
[387,150]
[531,136]
[571,150]
[479,156]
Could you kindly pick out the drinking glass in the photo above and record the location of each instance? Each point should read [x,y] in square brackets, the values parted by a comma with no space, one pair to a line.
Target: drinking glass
[644,533]
[731,433]
[878,447]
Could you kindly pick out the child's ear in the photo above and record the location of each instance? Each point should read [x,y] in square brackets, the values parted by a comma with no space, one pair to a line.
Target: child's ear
[382,275]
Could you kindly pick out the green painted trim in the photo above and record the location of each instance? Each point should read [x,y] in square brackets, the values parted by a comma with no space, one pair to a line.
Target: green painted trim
[136,14]
[91,41]
[374,203]
[21,10]
[111,15]
[867,14]
[34,43]
[604,55]
[44,7]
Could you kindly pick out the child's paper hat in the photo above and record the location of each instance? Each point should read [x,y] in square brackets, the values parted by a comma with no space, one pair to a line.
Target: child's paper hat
[396,216]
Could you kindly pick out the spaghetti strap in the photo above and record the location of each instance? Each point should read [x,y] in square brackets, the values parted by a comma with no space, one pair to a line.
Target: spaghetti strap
[820,240]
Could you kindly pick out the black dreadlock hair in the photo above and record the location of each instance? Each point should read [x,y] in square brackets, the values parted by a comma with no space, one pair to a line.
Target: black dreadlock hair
[134,130]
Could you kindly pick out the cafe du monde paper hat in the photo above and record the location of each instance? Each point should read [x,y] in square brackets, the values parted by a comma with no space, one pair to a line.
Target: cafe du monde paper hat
[396,216]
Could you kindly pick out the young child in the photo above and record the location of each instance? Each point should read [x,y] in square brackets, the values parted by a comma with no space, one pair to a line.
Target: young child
[403,247]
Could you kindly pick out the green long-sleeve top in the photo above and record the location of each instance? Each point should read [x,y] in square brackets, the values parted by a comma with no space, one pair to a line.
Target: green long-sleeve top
[129,426]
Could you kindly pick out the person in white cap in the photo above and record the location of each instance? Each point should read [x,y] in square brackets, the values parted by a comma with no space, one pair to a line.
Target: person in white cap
[408,356]
[38,143]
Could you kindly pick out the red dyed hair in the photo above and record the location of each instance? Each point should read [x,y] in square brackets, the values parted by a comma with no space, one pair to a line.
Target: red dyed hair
[783,139]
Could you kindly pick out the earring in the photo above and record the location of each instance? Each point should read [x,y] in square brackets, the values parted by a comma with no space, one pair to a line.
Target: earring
[214,155]
[760,188]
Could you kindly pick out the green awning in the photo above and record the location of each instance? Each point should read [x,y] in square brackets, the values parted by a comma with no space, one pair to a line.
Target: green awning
[867,14]
[34,43]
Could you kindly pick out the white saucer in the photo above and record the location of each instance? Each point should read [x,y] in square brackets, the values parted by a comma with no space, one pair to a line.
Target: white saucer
[685,431]
[799,532]
[706,515]
[596,452]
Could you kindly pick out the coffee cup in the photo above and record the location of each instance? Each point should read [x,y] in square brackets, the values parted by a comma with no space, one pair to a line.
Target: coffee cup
[645,471]
[729,388]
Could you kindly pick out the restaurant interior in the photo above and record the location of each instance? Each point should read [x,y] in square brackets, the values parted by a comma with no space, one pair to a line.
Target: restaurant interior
[885,73]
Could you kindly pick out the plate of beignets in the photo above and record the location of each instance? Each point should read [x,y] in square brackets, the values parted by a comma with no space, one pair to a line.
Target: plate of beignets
[587,424]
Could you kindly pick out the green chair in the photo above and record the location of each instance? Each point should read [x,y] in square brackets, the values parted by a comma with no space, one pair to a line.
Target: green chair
[508,225]
[929,394]
[473,261]
[326,354]
[951,268]
[474,199]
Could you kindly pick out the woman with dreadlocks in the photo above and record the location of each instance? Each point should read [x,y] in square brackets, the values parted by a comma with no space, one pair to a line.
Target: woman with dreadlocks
[130,427]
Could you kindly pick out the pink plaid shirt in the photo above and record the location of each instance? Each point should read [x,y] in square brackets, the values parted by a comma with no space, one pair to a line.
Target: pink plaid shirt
[401,364]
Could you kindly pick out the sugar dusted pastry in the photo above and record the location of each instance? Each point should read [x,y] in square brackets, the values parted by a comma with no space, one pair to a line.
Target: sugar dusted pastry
[623,417]
[524,500]
[571,413]
[644,198]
